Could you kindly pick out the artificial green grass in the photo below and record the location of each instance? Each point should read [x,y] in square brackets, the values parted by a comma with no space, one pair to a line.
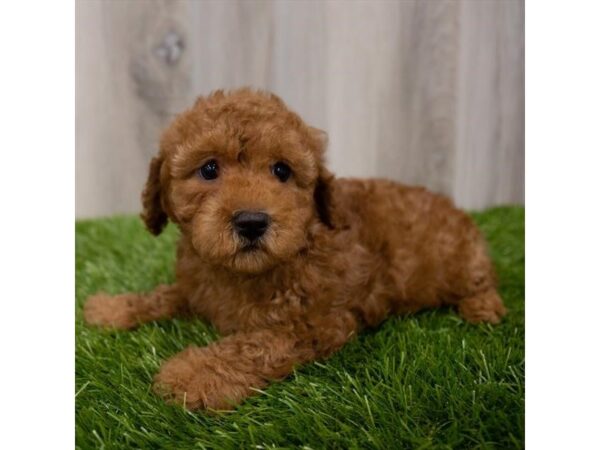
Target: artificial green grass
[425,381]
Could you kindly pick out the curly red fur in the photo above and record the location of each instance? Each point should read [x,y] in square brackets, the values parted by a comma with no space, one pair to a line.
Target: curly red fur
[339,255]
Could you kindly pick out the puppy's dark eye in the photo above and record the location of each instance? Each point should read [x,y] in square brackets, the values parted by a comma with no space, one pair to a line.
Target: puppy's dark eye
[209,171]
[282,171]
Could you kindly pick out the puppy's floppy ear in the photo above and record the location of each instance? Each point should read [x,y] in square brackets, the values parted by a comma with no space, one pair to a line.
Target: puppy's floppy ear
[322,194]
[153,214]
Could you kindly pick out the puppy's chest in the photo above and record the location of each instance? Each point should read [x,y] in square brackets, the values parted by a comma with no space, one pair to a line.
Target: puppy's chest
[245,305]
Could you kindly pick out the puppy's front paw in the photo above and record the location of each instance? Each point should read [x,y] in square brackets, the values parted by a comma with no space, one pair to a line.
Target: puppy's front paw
[196,378]
[112,311]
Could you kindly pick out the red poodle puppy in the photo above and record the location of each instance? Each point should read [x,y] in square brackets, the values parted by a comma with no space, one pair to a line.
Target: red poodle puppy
[285,260]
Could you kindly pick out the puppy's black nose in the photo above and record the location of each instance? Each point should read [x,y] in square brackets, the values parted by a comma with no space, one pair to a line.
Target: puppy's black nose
[251,224]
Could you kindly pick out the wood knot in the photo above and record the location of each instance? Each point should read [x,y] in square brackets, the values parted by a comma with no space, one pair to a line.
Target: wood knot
[171,48]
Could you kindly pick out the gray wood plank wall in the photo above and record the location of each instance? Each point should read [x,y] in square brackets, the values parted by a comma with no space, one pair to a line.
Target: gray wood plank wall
[425,92]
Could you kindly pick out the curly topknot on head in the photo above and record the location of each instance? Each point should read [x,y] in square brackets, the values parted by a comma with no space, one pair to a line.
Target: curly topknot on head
[239,109]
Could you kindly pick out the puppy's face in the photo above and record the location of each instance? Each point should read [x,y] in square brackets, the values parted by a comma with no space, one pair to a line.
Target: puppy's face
[239,174]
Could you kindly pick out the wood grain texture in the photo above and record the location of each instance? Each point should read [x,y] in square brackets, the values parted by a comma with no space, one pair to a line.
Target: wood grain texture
[418,149]
[130,81]
[425,92]
[489,161]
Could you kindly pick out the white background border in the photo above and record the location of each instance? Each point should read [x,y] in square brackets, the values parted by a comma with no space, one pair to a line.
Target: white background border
[562,87]
[37,224]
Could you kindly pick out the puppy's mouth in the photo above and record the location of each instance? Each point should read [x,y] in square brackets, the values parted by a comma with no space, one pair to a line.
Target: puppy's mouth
[251,257]
[251,247]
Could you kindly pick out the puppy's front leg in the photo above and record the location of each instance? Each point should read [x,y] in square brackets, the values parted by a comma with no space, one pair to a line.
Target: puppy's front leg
[221,375]
[127,311]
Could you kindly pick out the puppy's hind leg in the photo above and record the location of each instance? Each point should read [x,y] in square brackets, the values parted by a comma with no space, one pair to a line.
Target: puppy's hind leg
[126,311]
[479,300]
[485,306]
[475,286]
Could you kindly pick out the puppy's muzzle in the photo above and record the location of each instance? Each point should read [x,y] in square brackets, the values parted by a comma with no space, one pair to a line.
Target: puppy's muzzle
[250,224]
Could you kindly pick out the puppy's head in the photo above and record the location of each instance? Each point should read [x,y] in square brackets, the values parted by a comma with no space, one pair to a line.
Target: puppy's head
[243,177]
